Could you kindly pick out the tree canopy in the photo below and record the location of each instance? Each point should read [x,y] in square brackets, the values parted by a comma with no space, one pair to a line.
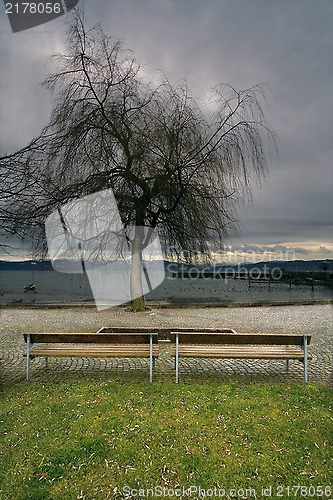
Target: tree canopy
[174,163]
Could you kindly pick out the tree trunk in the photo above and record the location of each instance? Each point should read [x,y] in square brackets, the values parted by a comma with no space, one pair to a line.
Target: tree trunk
[138,301]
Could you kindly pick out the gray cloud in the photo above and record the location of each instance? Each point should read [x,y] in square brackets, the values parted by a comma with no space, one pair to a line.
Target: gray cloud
[265,249]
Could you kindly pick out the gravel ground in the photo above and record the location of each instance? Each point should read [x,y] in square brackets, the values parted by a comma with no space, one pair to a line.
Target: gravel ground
[313,319]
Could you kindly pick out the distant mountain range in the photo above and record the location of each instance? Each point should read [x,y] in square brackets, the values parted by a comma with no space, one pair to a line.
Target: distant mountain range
[294,265]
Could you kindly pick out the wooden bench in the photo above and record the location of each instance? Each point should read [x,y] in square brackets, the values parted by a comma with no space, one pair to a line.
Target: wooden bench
[118,344]
[230,344]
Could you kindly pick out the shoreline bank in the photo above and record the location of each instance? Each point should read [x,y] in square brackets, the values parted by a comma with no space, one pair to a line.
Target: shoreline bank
[168,304]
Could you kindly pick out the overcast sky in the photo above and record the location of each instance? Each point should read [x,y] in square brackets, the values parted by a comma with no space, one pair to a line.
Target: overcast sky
[286,44]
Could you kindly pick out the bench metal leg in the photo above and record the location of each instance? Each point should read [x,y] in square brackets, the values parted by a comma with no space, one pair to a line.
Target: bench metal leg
[28,357]
[287,365]
[151,358]
[46,362]
[177,357]
[305,340]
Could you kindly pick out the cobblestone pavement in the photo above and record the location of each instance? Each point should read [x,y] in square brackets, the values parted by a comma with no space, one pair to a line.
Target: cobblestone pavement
[315,320]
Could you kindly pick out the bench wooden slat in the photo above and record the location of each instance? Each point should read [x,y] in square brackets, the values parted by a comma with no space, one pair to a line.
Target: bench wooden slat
[238,338]
[244,351]
[92,338]
[89,351]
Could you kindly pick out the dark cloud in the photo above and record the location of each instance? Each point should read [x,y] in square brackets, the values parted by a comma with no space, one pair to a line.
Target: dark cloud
[286,45]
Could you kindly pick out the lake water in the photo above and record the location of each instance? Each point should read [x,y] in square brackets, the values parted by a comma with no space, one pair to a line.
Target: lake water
[54,287]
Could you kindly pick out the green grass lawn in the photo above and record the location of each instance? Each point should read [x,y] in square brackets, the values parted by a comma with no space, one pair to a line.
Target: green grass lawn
[126,438]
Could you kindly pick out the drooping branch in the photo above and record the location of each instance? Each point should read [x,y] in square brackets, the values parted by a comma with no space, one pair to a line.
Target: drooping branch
[172,163]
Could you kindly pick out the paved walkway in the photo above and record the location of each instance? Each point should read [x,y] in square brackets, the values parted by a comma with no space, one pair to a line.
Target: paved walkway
[316,320]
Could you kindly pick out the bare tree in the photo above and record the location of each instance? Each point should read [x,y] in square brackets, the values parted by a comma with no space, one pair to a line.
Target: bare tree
[174,163]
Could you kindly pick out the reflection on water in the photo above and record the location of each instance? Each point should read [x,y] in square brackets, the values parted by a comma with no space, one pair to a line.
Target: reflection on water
[53,287]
